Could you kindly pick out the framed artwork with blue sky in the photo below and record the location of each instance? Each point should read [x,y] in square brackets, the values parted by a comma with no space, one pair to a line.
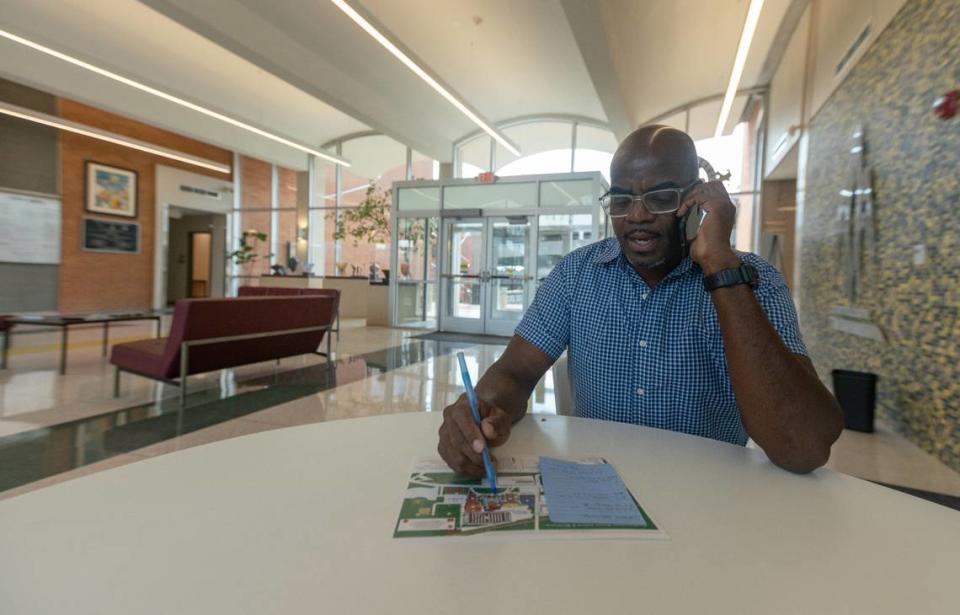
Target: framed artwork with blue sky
[111,190]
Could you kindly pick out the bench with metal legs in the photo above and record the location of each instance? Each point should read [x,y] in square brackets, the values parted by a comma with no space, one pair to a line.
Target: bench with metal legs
[185,355]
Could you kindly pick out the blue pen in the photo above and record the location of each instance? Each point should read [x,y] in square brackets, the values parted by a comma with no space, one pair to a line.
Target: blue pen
[475,410]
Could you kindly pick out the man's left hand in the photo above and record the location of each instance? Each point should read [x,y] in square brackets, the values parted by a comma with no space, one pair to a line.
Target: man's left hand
[711,247]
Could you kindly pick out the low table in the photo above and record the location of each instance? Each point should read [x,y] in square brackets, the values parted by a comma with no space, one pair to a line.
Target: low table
[65,321]
[300,520]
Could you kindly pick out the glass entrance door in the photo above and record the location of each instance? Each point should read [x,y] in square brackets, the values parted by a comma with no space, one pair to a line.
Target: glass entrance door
[487,274]
[509,273]
[461,274]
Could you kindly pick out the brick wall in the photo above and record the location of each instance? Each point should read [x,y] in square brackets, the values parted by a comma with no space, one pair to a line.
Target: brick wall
[98,281]
[255,185]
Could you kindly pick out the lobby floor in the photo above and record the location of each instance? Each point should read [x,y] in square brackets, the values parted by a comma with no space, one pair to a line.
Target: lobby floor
[55,428]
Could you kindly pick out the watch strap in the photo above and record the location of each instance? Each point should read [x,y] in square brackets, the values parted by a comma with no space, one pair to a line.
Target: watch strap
[744,274]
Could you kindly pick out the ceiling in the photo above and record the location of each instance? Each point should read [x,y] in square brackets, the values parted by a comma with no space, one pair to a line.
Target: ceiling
[666,53]
[302,69]
[135,41]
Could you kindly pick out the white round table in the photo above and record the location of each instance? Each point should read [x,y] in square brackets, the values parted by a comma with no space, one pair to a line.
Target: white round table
[300,520]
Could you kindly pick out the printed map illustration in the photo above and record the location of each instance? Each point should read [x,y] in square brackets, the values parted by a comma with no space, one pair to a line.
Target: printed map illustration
[439,502]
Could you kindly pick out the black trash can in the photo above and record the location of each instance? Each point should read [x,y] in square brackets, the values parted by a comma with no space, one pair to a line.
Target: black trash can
[857,394]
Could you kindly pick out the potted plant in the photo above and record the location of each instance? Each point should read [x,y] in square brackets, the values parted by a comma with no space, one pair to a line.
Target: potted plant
[369,221]
[246,253]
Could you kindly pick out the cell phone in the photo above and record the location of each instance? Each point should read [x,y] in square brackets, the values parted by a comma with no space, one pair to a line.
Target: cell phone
[693,221]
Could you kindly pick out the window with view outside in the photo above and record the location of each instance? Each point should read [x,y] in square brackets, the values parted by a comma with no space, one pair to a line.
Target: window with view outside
[287,217]
[546,148]
[377,161]
[734,154]
[321,252]
[417,269]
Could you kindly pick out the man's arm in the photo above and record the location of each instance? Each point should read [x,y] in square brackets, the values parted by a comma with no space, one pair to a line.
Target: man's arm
[502,394]
[785,408]
[510,381]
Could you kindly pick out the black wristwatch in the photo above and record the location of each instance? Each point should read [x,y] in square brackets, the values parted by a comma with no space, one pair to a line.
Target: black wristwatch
[744,274]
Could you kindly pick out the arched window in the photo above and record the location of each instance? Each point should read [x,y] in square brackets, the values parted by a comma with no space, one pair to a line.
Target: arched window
[547,146]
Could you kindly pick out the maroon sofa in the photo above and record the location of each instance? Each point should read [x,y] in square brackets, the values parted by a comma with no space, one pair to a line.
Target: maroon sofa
[212,334]
[277,291]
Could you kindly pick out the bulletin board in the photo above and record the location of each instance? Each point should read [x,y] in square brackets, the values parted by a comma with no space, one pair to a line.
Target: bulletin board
[29,229]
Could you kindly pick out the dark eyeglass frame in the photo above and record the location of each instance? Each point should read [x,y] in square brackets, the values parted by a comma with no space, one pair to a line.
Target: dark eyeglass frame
[641,198]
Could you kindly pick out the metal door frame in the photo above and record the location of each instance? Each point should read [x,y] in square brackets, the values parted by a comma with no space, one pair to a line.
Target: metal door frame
[598,225]
[454,323]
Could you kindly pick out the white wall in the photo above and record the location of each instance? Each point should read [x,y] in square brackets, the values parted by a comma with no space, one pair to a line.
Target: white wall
[786,96]
[836,24]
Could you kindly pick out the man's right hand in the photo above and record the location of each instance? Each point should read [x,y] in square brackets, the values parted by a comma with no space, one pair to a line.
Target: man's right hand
[462,441]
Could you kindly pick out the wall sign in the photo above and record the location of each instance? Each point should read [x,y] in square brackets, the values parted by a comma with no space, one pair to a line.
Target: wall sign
[111,190]
[109,236]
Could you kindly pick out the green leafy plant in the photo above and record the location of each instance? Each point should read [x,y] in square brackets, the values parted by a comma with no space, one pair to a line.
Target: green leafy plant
[416,233]
[369,221]
[246,253]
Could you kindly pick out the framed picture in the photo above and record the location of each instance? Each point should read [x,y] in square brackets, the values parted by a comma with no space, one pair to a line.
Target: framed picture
[111,190]
[110,236]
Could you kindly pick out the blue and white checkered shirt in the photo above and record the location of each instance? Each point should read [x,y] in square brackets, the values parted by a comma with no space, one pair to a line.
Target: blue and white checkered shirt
[647,356]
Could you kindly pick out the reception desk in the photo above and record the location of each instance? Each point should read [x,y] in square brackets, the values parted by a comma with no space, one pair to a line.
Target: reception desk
[358,297]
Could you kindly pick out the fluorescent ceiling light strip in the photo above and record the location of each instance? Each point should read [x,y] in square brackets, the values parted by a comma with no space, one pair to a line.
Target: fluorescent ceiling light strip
[356,189]
[169,97]
[420,72]
[746,37]
[87,131]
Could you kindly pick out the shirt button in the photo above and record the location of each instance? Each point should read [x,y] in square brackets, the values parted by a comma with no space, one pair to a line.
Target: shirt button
[643,297]
[643,343]
[641,392]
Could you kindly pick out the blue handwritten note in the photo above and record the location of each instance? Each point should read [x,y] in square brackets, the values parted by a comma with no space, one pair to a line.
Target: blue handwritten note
[587,493]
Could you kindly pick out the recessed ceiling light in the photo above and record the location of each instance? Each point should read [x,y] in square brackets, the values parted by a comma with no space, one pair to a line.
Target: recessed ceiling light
[746,37]
[102,135]
[170,97]
[367,27]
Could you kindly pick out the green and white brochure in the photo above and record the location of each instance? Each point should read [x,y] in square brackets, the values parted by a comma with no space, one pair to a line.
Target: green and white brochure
[438,502]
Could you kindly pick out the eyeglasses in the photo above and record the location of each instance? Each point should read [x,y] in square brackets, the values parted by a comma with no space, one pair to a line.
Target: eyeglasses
[663,201]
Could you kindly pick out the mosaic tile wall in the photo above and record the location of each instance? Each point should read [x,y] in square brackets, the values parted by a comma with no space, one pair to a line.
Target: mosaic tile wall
[916,161]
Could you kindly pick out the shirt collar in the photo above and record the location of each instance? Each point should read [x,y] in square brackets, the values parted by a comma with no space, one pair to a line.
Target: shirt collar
[611,251]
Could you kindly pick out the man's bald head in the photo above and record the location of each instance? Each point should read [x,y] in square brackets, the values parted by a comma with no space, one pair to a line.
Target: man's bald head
[653,154]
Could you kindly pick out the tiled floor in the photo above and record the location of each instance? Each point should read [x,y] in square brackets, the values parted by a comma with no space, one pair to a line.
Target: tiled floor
[378,371]
[34,394]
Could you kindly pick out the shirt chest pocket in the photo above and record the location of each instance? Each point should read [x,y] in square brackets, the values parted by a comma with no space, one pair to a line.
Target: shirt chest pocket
[686,361]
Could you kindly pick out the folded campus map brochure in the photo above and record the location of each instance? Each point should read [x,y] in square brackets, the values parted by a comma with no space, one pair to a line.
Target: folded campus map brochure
[440,502]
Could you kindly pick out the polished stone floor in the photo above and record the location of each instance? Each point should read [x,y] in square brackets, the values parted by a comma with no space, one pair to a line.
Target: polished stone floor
[56,427]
